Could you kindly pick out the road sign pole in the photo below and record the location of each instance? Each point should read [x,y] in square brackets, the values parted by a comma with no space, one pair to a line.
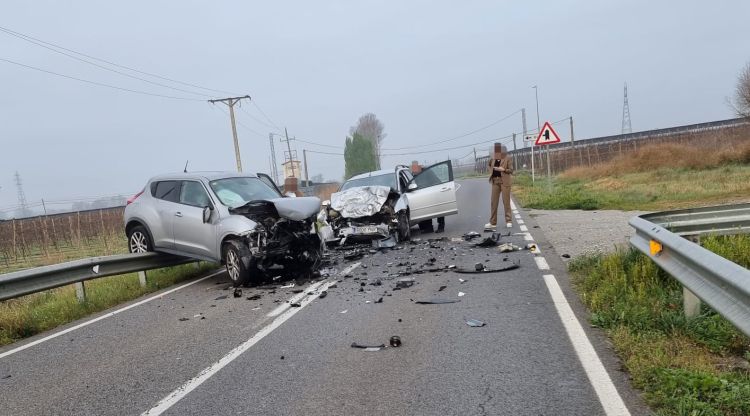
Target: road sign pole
[532,162]
[549,174]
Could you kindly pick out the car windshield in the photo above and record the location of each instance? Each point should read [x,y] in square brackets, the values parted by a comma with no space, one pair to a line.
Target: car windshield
[235,192]
[388,179]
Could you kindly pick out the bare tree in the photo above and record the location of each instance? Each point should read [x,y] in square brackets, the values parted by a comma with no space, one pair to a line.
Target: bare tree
[370,127]
[742,95]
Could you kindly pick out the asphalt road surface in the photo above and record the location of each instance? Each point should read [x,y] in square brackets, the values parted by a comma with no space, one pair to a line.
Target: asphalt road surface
[197,350]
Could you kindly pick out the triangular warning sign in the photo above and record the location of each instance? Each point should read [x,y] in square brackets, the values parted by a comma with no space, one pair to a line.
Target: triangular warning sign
[547,136]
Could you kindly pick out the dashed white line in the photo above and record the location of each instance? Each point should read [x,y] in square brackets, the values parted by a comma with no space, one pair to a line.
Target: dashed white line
[523,228]
[105,316]
[520,221]
[281,308]
[541,263]
[178,394]
[592,365]
[528,237]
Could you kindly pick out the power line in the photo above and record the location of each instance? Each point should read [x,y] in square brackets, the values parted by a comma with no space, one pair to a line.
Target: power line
[18,34]
[257,119]
[460,136]
[98,83]
[323,153]
[23,37]
[501,139]
[266,116]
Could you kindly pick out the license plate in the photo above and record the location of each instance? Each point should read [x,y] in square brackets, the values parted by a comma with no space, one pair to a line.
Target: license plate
[368,229]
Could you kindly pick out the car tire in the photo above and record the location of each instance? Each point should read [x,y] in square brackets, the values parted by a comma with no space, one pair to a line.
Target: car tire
[404,228]
[238,274]
[139,241]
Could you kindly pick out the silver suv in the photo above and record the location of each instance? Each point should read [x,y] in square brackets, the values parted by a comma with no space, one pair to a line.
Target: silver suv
[240,220]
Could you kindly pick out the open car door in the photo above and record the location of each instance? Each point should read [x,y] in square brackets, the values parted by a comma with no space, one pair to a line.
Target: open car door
[432,193]
[268,181]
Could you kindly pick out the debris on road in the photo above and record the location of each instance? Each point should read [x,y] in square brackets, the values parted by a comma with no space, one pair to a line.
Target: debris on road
[461,280]
[282,357]
[404,283]
[442,288]
[222,297]
[471,235]
[322,294]
[295,305]
[395,341]
[389,242]
[254,297]
[460,294]
[364,347]
[184,319]
[380,300]
[566,256]
[508,247]
[344,311]
[475,323]
[290,285]
[479,267]
[436,301]
[511,266]
[237,293]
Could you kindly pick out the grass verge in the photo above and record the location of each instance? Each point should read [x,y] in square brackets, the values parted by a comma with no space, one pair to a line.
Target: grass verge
[684,366]
[39,312]
[661,189]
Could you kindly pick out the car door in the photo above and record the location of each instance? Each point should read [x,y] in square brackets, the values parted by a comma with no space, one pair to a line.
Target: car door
[166,194]
[268,181]
[435,193]
[191,234]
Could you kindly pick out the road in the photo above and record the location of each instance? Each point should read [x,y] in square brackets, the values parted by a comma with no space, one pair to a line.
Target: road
[234,356]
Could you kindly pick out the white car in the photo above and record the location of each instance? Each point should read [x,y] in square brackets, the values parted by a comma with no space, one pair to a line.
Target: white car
[390,201]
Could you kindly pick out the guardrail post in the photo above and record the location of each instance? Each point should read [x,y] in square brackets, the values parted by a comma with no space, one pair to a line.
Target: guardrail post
[142,278]
[80,292]
[691,304]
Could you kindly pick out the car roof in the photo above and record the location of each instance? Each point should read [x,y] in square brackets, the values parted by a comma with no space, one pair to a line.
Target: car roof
[374,173]
[212,175]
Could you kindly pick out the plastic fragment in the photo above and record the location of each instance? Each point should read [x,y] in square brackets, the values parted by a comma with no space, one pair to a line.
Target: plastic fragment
[436,301]
[475,323]
[395,341]
[461,294]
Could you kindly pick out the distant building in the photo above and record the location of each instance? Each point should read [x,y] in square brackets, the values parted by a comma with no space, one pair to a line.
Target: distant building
[288,169]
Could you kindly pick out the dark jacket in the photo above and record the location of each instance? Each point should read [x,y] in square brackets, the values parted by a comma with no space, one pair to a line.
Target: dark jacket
[506,178]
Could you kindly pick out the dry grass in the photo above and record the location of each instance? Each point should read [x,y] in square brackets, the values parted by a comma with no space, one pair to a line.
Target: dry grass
[666,155]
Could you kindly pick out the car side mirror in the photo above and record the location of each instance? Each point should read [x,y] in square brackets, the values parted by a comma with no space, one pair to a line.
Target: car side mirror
[412,186]
[206,214]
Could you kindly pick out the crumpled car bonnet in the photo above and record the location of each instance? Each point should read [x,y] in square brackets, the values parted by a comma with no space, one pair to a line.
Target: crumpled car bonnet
[297,209]
[360,201]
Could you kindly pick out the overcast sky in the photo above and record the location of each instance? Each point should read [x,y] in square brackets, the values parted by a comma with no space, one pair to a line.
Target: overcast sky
[430,70]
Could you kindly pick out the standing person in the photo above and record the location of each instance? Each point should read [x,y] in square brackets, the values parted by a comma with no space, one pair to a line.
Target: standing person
[501,178]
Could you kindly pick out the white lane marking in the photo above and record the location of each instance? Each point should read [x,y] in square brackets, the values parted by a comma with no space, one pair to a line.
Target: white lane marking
[528,237]
[182,391]
[595,371]
[281,308]
[513,205]
[523,228]
[541,263]
[520,222]
[518,216]
[294,299]
[105,316]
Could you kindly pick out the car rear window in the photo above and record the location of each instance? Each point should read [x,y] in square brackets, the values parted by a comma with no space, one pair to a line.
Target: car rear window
[166,190]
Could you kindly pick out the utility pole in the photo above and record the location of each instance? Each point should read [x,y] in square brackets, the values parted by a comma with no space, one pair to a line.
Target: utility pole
[22,196]
[304,158]
[572,137]
[289,147]
[525,139]
[514,150]
[230,102]
[274,167]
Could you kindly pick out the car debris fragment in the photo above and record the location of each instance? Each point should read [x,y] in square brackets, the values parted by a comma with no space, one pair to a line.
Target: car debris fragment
[322,294]
[395,341]
[364,347]
[508,247]
[475,323]
[460,294]
[290,285]
[404,283]
[257,296]
[471,235]
[237,292]
[436,301]
[513,265]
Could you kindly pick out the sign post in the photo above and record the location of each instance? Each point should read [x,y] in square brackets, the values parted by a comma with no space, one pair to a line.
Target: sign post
[546,137]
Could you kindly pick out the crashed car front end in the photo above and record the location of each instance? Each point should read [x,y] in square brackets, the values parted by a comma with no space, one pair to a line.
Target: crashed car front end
[363,213]
[285,233]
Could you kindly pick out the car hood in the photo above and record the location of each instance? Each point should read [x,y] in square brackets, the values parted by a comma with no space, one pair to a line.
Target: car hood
[360,201]
[295,209]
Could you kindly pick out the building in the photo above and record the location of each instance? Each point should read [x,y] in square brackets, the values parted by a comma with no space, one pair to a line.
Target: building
[293,165]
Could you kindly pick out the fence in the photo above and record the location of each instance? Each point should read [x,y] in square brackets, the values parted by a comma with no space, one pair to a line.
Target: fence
[590,152]
[55,236]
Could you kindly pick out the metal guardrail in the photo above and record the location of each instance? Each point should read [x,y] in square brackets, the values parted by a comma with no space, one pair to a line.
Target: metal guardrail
[666,238]
[24,282]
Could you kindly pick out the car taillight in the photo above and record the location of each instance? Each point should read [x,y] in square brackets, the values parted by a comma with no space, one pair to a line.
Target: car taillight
[133,198]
